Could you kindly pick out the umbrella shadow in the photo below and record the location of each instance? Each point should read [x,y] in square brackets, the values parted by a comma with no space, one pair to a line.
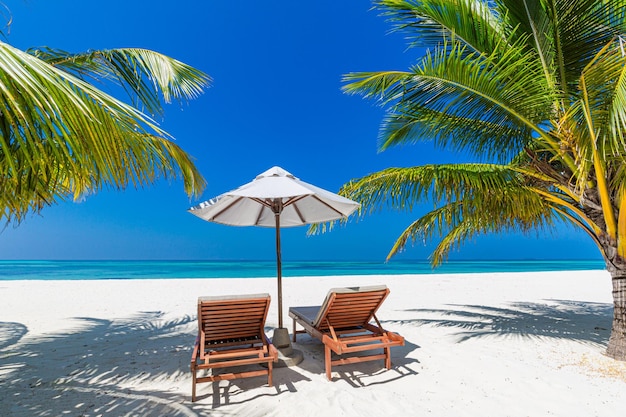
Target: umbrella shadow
[584,322]
[361,374]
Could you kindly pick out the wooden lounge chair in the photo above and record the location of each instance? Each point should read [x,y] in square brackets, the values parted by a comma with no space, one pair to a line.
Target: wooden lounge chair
[342,323]
[231,334]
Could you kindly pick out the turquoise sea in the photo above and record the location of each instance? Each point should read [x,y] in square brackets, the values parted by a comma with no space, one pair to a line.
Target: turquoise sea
[95,270]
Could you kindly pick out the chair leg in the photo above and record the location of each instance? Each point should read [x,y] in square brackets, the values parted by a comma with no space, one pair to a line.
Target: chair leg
[327,361]
[388,357]
[269,373]
[193,385]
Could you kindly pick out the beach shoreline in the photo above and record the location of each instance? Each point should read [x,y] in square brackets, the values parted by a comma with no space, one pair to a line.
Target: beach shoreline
[506,344]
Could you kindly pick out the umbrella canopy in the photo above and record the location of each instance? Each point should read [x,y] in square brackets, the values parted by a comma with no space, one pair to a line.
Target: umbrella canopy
[276,190]
[276,199]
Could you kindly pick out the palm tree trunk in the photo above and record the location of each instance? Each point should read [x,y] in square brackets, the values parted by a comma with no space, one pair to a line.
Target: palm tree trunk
[617,342]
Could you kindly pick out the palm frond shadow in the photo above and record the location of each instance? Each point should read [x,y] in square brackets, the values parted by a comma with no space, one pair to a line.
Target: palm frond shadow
[585,322]
[11,333]
[43,375]
[119,364]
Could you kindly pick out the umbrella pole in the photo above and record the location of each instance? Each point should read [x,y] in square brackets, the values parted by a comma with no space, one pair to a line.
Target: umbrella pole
[287,356]
[279,272]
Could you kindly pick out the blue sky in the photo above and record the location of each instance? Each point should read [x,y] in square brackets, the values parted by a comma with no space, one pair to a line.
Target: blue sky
[275,100]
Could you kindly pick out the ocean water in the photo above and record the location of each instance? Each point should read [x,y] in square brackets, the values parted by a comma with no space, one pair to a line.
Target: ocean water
[95,270]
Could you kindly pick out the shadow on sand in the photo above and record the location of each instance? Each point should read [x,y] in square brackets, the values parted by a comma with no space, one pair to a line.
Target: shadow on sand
[585,322]
[140,366]
[359,374]
[118,367]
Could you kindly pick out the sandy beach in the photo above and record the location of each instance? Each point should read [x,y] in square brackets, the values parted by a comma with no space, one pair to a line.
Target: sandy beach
[514,344]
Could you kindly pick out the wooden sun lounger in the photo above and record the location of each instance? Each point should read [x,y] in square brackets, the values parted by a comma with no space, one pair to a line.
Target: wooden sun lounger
[344,324]
[230,334]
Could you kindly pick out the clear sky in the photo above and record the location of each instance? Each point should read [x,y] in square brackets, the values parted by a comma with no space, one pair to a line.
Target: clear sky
[275,100]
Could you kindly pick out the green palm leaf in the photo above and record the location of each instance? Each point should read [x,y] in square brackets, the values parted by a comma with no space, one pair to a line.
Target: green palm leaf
[401,188]
[478,199]
[146,75]
[538,86]
[469,22]
[61,137]
[566,33]
[450,90]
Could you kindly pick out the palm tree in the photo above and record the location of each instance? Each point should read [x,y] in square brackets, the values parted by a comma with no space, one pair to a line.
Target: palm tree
[60,137]
[535,90]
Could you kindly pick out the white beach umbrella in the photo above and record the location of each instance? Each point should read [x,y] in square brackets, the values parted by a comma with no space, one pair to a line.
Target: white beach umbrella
[276,199]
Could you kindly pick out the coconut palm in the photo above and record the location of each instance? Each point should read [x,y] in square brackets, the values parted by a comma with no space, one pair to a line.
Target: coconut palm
[60,137]
[535,90]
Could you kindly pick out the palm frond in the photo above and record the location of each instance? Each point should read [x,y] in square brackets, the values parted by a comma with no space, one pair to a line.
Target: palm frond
[567,34]
[514,208]
[376,85]
[597,120]
[538,86]
[532,24]
[149,77]
[507,93]
[60,136]
[586,27]
[427,23]
[401,188]
[491,141]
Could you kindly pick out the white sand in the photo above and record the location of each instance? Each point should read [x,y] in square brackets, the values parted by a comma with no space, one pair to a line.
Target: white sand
[527,344]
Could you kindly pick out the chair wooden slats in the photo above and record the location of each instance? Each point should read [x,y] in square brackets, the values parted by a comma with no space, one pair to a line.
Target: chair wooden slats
[344,324]
[231,334]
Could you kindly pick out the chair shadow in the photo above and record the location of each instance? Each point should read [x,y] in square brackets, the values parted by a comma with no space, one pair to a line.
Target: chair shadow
[136,365]
[359,374]
[239,391]
[584,322]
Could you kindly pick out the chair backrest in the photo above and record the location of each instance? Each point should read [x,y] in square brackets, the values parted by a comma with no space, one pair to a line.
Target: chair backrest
[225,318]
[350,307]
